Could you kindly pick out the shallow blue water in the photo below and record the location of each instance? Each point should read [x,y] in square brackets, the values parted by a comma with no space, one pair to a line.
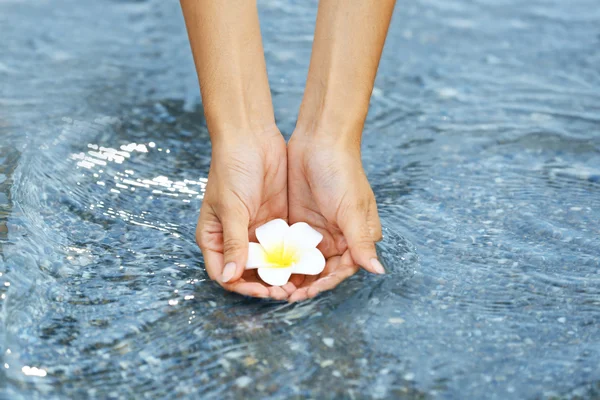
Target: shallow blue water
[483,149]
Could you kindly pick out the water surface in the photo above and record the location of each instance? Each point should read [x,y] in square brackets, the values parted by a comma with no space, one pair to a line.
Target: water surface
[483,149]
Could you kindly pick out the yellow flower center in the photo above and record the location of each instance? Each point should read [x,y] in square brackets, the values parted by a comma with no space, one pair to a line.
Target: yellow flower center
[281,257]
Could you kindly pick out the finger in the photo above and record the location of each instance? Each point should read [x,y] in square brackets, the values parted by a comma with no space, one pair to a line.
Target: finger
[209,237]
[308,280]
[252,289]
[360,242]
[289,288]
[332,280]
[235,243]
[322,284]
[340,242]
[297,280]
[328,245]
[213,261]
[277,293]
[299,295]
[330,266]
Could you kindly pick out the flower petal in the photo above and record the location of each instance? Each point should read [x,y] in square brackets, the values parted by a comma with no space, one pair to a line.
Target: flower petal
[312,262]
[302,236]
[275,276]
[272,234]
[257,256]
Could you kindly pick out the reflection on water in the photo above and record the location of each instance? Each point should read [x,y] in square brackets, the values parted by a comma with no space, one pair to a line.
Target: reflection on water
[483,149]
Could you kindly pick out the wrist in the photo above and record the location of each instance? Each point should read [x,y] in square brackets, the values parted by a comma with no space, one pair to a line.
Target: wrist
[230,117]
[326,128]
[244,137]
[332,115]
[319,137]
[228,131]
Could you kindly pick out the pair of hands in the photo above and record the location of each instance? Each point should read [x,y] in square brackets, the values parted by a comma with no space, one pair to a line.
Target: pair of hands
[254,178]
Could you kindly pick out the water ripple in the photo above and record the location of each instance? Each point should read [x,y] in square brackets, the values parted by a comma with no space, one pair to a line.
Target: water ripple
[482,149]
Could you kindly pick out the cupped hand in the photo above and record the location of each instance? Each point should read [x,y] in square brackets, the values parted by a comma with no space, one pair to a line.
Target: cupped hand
[328,189]
[247,187]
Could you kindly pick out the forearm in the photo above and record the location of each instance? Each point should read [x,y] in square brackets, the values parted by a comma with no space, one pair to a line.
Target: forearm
[349,38]
[228,53]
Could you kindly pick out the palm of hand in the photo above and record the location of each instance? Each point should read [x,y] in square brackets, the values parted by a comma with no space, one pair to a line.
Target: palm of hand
[248,182]
[320,182]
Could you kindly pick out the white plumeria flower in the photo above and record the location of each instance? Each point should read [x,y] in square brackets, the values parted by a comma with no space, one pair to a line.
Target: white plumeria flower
[284,250]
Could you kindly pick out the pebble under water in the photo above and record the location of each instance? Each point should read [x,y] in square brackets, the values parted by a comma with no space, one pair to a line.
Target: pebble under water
[482,146]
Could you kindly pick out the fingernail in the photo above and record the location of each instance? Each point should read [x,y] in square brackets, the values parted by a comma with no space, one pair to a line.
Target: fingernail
[228,272]
[377,266]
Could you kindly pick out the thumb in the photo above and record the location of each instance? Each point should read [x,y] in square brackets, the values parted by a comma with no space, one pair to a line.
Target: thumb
[235,244]
[356,230]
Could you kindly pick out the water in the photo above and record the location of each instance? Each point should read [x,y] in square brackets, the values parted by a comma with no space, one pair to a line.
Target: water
[483,148]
